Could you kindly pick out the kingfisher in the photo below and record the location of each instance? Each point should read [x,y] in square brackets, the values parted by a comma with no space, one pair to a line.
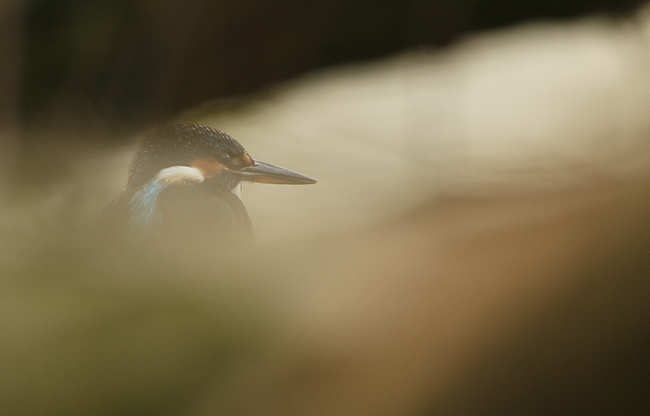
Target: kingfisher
[184,182]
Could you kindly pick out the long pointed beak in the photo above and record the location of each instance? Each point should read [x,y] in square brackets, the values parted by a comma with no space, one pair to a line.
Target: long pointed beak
[267,173]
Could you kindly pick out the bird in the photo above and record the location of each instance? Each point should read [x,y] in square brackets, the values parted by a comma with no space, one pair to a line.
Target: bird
[183,185]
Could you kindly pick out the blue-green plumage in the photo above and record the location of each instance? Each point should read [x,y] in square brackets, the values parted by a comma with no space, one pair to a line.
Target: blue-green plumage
[144,206]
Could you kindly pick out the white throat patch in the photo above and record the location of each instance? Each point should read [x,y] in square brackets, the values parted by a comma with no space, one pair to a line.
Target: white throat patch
[237,189]
[179,175]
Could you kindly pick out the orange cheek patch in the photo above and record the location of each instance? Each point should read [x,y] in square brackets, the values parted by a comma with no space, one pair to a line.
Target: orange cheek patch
[248,160]
[209,168]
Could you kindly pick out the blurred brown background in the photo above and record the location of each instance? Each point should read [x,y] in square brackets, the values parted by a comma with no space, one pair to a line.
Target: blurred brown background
[477,242]
[116,63]
[103,69]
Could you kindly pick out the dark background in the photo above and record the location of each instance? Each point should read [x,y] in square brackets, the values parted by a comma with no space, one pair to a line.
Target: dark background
[120,64]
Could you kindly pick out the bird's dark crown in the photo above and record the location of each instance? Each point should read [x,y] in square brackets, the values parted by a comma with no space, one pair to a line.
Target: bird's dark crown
[182,145]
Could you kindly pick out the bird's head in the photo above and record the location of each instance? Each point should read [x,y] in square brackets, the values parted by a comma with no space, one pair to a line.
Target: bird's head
[192,153]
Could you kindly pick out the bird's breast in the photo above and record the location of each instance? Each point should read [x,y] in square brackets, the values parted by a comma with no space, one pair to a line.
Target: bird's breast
[191,213]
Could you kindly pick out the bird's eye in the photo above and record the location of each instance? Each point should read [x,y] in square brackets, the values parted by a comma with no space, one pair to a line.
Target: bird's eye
[225,156]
